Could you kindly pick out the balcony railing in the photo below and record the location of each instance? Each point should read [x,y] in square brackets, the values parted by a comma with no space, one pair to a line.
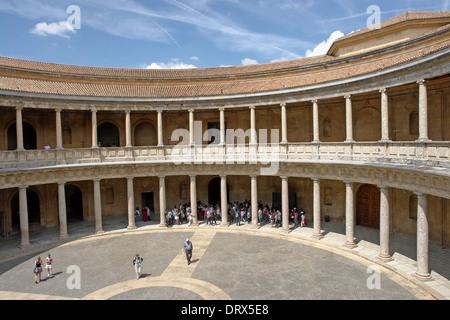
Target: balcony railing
[435,154]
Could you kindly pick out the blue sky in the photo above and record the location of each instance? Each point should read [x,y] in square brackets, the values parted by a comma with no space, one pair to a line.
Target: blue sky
[182,33]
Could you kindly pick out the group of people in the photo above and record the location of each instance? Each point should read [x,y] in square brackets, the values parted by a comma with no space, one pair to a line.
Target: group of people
[239,212]
[145,216]
[38,263]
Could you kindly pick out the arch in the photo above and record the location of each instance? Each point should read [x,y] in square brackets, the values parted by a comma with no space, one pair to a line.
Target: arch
[368,124]
[74,203]
[34,209]
[145,134]
[108,135]
[214,194]
[29,137]
[368,206]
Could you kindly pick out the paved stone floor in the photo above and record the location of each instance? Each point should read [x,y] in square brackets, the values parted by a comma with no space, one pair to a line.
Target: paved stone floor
[229,263]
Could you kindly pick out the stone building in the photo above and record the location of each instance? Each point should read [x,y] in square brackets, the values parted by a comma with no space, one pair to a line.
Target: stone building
[359,135]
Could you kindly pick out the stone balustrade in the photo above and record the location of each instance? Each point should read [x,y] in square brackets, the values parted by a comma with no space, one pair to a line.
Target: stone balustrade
[434,154]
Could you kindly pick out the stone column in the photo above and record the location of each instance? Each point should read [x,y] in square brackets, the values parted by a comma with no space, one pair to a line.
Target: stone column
[316,208]
[222,127]
[254,200]
[349,216]
[253,139]
[283,124]
[160,129]
[349,118]
[162,201]
[128,129]
[62,210]
[98,207]
[384,224]
[130,197]
[194,200]
[223,201]
[316,136]
[59,142]
[19,129]
[422,272]
[191,127]
[23,217]
[384,116]
[423,111]
[285,204]
[94,129]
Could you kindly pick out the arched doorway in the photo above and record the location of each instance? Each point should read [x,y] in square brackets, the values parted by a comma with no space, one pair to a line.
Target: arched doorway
[74,203]
[214,197]
[29,137]
[145,135]
[368,206]
[108,135]
[34,209]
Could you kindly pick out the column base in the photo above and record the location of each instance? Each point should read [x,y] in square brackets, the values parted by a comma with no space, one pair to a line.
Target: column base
[385,257]
[423,140]
[254,226]
[25,245]
[131,228]
[225,224]
[99,232]
[350,245]
[385,141]
[63,237]
[317,236]
[423,277]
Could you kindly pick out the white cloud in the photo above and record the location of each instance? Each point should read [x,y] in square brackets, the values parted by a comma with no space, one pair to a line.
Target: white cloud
[194,58]
[323,47]
[55,28]
[248,61]
[173,64]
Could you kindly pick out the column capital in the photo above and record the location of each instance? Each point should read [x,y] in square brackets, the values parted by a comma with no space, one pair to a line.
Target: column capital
[347,182]
[97,180]
[23,187]
[222,109]
[283,104]
[348,97]
[58,110]
[422,82]
[130,178]
[62,183]
[315,179]
[384,90]
[94,110]
[161,177]
[252,107]
[127,111]
[284,177]
[315,101]
[420,194]
[191,110]
[19,108]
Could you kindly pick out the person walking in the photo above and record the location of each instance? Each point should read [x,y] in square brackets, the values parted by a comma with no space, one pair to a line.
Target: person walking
[49,265]
[188,247]
[37,269]
[137,262]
